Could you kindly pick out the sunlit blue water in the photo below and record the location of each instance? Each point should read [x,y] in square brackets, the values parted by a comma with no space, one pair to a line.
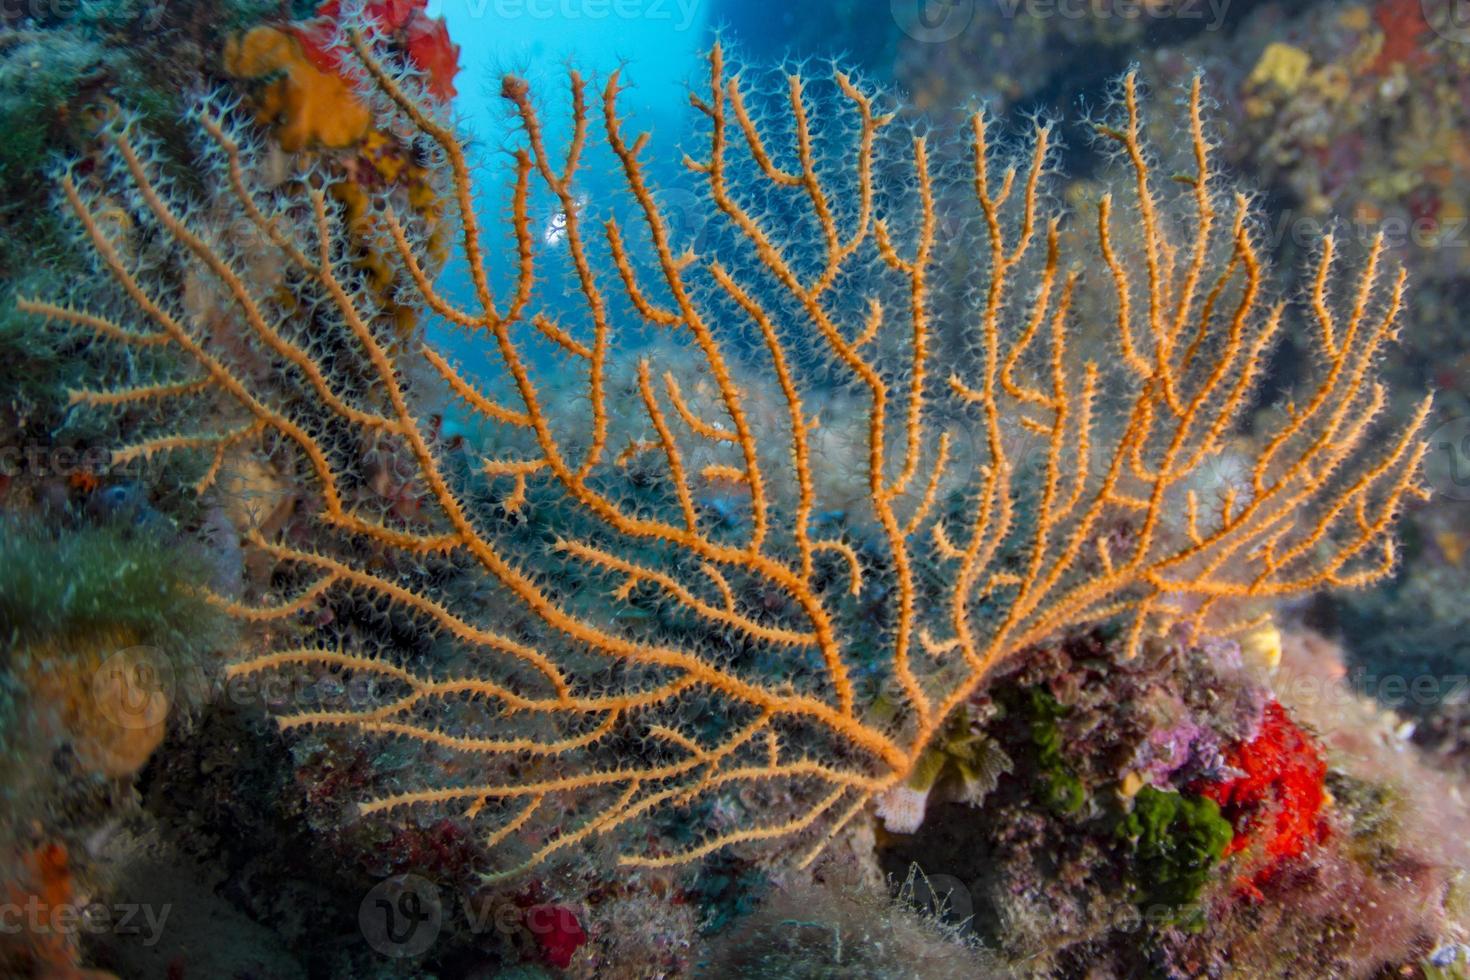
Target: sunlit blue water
[658,44]
[660,41]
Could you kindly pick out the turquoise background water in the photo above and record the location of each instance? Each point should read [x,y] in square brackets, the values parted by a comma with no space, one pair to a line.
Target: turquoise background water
[660,41]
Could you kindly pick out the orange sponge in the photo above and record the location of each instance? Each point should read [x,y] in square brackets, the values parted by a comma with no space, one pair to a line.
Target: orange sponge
[307,106]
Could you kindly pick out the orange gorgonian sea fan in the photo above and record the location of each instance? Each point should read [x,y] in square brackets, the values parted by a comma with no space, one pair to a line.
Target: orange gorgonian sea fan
[906,419]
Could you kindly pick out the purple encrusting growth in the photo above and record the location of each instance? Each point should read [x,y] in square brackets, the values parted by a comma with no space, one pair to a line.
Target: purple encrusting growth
[1169,750]
[1185,747]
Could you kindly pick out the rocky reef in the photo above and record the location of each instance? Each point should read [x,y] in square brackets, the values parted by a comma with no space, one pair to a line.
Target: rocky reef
[913,564]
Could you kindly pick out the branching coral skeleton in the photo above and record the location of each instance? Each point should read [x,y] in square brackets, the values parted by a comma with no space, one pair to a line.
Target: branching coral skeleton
[631,651]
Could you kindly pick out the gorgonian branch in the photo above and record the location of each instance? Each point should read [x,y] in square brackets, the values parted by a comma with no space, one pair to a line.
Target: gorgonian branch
[751,600]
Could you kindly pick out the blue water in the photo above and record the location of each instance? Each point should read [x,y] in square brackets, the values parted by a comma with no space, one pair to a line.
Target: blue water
[658,44]
[660,41]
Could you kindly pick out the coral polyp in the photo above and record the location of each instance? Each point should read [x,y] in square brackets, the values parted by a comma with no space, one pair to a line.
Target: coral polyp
[754,515]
